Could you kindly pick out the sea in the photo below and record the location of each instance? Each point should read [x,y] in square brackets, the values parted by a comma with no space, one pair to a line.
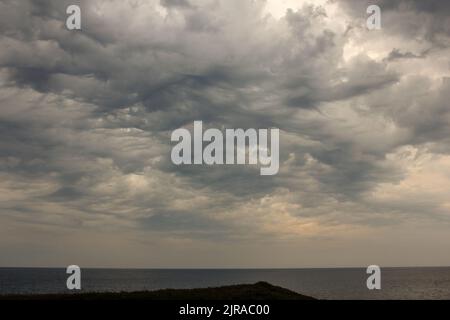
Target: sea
[335,284]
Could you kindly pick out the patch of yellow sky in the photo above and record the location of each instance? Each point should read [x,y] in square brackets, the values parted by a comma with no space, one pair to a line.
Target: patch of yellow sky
[426,176]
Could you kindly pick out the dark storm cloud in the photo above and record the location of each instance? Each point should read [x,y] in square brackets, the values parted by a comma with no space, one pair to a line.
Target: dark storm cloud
[397,54]
[88,114]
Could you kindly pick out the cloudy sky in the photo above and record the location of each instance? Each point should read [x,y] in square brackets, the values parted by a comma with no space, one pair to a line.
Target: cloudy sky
[86,118]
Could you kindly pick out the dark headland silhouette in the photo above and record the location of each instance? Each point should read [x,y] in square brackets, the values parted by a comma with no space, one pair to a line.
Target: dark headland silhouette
[257,291]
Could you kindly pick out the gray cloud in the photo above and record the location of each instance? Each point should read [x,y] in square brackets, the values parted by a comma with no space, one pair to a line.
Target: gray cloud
[86,116]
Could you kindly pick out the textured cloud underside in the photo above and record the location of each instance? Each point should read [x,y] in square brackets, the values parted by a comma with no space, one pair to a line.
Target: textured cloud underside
[86,117]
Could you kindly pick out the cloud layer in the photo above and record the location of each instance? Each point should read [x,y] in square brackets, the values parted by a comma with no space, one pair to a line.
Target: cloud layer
[86,118]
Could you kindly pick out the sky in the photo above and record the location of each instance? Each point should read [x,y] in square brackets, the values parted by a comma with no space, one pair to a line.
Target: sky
[86,118]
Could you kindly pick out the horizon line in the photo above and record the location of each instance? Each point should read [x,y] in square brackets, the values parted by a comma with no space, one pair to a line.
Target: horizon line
[223,268]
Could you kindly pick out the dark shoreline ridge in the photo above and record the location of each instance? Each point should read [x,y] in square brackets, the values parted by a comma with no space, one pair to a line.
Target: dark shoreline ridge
[257,291]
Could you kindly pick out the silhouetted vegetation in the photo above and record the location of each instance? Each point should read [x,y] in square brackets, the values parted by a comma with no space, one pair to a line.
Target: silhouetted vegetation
[257,291]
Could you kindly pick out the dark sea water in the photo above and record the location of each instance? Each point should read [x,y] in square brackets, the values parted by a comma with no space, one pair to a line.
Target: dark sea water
[345,283]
